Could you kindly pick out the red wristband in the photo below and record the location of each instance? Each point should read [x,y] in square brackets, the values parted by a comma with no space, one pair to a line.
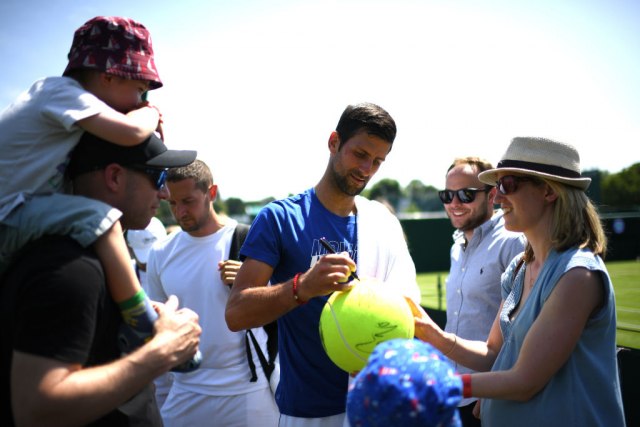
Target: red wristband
[295,289]
[466,385]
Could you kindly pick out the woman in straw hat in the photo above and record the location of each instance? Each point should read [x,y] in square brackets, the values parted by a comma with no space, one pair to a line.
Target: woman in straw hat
[551,351]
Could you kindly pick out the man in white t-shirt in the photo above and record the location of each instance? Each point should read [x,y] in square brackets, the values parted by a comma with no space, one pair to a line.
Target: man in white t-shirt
[186,265]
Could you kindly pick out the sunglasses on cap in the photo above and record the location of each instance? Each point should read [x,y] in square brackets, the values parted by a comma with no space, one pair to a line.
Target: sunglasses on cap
[508,184]
[157,176]
[465,195]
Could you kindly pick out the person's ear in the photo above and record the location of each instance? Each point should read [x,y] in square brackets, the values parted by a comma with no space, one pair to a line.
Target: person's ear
[491,195]
[213,192]
[105,79]
[550,194]
[334,142]
[113,176]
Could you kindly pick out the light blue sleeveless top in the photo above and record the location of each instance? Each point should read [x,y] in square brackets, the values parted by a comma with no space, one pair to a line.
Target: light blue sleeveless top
[586,390]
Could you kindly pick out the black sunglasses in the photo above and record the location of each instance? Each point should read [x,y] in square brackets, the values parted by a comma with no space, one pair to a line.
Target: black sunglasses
[508,184]
[158,176]
[465,195]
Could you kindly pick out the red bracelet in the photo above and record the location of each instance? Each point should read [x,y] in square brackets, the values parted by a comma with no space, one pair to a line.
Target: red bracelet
[466,385]
[295,290]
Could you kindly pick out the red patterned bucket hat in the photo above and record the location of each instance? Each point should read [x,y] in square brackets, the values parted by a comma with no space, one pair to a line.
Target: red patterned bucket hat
[114,45]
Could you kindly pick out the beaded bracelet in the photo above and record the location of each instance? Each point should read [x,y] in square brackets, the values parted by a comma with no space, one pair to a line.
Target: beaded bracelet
[295,290]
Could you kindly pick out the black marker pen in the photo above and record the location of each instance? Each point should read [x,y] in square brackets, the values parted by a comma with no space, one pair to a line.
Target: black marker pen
[328,247]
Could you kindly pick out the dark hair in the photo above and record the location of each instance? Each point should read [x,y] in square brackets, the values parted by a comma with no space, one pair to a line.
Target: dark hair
[367,117]
[198,171]
[82,75]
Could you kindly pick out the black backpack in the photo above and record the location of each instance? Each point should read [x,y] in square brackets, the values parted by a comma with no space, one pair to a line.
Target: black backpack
[268,362]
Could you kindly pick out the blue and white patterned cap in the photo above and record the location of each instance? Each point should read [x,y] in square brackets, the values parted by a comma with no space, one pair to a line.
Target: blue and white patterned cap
[405,383]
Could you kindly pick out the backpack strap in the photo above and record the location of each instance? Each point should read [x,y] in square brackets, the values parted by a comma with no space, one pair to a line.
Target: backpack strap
[252,366]
[272,340]
[267,362]
[267,366]
[239,234]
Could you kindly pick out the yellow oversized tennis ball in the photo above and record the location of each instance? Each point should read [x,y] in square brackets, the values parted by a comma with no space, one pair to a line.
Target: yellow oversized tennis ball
[353,322]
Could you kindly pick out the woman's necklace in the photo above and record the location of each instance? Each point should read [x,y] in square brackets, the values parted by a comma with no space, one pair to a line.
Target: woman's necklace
[532,276]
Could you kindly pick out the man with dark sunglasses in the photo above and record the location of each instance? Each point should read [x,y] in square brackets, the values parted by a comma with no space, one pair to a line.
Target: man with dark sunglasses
[481,251]
[158,176]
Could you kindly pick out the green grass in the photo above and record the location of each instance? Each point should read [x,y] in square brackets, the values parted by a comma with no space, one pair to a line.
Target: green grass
[625,276]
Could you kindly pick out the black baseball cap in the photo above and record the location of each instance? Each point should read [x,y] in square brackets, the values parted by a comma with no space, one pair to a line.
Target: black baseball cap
[93,153]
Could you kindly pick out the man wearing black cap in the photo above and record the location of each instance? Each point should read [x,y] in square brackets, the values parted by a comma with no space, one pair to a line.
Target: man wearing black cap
[60,358]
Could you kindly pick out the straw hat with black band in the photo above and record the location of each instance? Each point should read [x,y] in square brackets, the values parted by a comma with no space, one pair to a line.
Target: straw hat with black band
[541,157]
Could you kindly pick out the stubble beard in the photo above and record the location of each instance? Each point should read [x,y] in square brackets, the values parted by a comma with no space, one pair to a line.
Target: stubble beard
[195,225]
[476,220]
[342,182]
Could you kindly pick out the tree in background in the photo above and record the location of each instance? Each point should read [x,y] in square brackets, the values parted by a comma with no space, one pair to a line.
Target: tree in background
[387,190]
[422,198]
[235,207]
[621,191]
